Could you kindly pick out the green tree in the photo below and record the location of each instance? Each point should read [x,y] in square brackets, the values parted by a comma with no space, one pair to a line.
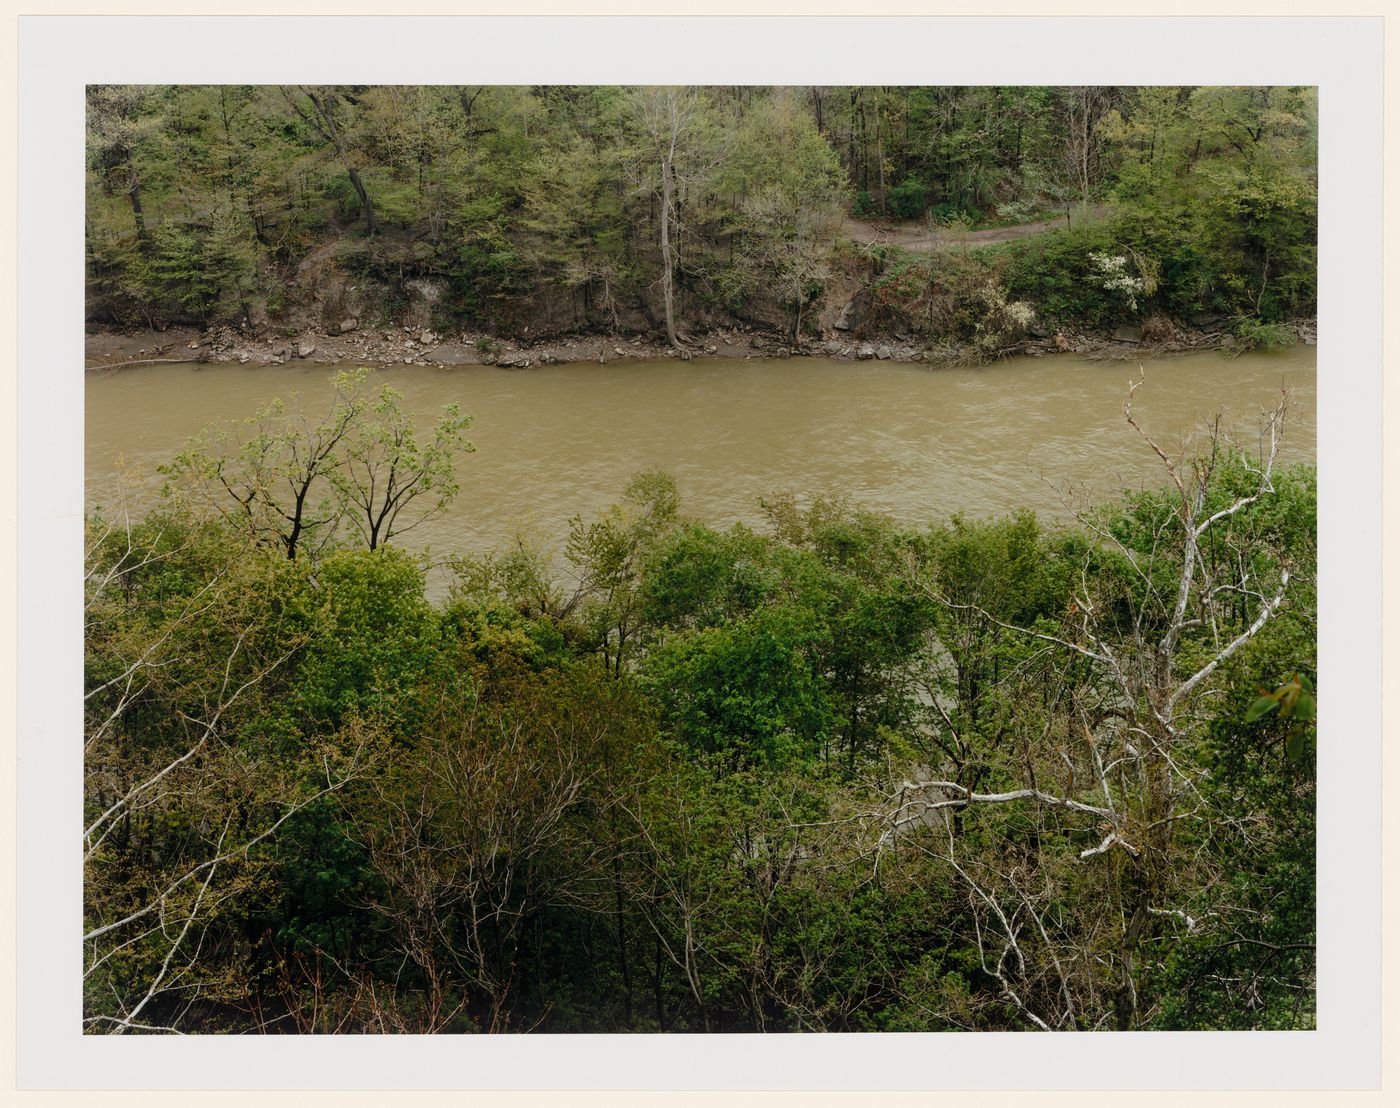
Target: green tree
[293,482]
[275,468]
[607,556]
[384,471]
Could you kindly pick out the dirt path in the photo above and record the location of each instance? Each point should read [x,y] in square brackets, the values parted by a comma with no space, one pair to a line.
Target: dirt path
[920,237]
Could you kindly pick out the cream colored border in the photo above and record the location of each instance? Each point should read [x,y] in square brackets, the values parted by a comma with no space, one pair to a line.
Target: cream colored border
[8,487]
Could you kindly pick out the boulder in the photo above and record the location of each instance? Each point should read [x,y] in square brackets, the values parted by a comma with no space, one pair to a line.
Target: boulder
[453,354]
[833,347]
[305,348]
[865,352]
[1128,333]
[427,338]
[349,324]
[884,353]
[843,321]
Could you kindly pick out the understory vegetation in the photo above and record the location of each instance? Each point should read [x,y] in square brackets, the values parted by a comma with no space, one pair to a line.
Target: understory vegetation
[529,212]
[828,774]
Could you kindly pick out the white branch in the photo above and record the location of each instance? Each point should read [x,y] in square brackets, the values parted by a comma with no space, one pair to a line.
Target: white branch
[1243,637]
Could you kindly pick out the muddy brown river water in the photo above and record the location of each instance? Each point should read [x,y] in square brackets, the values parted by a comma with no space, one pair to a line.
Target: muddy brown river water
[918,443]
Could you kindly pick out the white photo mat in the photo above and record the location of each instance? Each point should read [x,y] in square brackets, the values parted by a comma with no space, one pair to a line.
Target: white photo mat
[60,56]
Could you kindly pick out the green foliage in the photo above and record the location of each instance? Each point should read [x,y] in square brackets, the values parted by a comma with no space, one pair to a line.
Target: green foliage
[293,483]
[1057,271]
[908,199]
[693,835]
[949,214]
[389,482]
[608,555]
[1253,334]
[376,640]
[536,207]
[744,692]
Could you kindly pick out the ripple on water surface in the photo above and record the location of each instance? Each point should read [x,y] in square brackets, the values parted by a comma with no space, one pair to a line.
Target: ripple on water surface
[918,443]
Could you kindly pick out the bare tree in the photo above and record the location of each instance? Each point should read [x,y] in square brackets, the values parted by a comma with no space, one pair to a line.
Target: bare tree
[460,835]
[679,156]
[1193,599]
[1084,109]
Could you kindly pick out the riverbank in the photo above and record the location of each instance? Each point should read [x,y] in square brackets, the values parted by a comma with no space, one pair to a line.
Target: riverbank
[380,346]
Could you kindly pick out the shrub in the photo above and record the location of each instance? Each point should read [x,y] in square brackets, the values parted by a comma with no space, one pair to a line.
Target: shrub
[1017,211]
[948,212]
[1055,272]
[1255,334]
[908,199]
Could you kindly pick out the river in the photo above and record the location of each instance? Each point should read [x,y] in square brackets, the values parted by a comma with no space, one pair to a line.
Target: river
[918,443]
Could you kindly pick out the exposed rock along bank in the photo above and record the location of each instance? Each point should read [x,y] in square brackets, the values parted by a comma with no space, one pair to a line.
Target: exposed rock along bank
[353,342]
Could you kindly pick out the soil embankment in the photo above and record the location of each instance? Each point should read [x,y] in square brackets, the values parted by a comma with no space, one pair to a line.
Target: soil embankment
[353,340]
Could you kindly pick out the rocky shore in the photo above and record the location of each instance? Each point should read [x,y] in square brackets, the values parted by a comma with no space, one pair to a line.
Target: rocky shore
[354,343]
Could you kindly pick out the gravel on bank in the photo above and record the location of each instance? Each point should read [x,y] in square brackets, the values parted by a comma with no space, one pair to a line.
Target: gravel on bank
[380,346]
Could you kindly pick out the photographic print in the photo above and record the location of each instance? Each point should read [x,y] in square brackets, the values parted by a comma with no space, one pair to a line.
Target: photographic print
[700,558]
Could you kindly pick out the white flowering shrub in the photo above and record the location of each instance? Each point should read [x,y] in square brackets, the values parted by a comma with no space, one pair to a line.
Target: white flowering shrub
[1114,276]
[1002,321]
[1020,313]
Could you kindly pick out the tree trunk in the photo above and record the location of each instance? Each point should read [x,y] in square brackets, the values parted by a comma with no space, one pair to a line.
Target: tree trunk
[365,205]
[880,152]
[667,259]
[657,995]
[623,961]
[134,195]
[851,137]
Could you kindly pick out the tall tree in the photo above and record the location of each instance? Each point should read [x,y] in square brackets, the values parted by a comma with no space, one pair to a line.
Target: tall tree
[323,108]
[678,154]
[120,123]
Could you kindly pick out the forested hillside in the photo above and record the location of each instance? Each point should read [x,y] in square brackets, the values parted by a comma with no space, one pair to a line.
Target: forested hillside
[525,213]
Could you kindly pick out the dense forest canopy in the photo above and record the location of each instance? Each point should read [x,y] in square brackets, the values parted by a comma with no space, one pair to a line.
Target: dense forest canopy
[558,208]
[828,774]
